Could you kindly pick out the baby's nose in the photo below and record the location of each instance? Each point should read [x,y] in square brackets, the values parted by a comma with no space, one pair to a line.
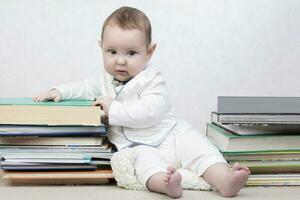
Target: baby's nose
[121,60]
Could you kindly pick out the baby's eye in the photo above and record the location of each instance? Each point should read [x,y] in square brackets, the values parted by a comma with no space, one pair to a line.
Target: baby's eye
[111,51]
[132,53]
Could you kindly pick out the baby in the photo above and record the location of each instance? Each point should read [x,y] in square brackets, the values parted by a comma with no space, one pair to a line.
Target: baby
[134,98]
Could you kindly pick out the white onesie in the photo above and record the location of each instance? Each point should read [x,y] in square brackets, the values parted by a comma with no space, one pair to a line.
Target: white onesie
[141,117]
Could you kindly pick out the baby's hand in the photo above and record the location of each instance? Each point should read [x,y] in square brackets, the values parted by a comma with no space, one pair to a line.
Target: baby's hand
[51,95]
[104,103]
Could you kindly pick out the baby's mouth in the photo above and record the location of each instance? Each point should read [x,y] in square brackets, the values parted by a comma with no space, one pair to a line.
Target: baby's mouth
[121,72]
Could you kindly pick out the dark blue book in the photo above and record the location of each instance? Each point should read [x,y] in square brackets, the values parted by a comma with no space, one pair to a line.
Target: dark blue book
[48,167]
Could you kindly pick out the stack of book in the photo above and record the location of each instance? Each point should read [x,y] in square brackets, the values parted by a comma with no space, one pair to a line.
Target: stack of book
[262,133]
[53,142]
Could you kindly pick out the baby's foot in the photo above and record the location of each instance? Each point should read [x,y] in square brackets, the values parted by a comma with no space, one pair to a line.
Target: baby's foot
[237,166]
[173,183]
[237,179]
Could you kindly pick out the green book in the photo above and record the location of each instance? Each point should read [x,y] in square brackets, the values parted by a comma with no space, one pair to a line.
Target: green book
[229,142]
[24,111]
[274,179]
[279,166]
[269,155]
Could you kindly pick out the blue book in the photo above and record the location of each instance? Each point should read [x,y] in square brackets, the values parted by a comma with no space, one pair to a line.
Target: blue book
[49,167]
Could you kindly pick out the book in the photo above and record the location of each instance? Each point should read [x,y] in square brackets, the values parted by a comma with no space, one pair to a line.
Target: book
[24,111]
[59,162]
[47,131]
[56,149]
[270,155]
[279,166]
[12,160]
[260,130]
[95,154]
[257,110]
[58,178]
[36,140]
[48,167]
[258,105]
[283,179]
[103,151]
[229,142]
[257,119]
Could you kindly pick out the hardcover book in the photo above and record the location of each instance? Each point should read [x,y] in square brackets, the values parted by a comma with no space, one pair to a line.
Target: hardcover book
[49,167]
[256,119]
[260,130]
[257,110]
[48,131]
[58,177]
[284,179]
[229,142]
[27,112]
[65,141]
[258,105]
[280,166]
[269,155]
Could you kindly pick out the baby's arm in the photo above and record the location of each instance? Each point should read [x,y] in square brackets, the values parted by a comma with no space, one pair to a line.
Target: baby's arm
[50,95]
[85,90]
[147,111]
[104,102]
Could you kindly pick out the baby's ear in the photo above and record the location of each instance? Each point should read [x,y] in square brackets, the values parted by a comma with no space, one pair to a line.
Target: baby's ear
[151,49]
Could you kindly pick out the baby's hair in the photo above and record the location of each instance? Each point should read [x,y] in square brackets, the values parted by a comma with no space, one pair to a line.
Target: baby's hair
[129,18]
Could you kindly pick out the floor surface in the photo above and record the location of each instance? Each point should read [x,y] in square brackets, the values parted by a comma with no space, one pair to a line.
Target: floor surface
[111,192]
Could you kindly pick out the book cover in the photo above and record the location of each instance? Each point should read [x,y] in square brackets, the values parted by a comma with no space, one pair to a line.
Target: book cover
[255,119]
[36,140]
[279,166]
[57,149]
[58,177]
[229,142]
[260,129]
[48,167]
[102,153]
[59,157]
[48,131]
[258,105]
[284,179]
[24,111]
[10,160]
[18,101]
[270,155]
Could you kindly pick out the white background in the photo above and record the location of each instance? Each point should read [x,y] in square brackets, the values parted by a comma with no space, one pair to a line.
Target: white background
[206,48]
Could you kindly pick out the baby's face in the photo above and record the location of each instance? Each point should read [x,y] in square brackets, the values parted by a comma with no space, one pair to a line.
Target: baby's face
[125,53]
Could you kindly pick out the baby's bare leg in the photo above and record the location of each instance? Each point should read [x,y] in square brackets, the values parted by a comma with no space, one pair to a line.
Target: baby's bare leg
[228,181]
[166,182]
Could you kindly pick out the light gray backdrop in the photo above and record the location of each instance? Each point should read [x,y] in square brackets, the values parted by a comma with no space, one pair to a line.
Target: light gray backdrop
[206,48]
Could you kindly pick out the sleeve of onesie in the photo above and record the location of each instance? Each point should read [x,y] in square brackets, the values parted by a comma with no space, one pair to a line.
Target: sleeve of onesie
[145,112]
[83,90]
